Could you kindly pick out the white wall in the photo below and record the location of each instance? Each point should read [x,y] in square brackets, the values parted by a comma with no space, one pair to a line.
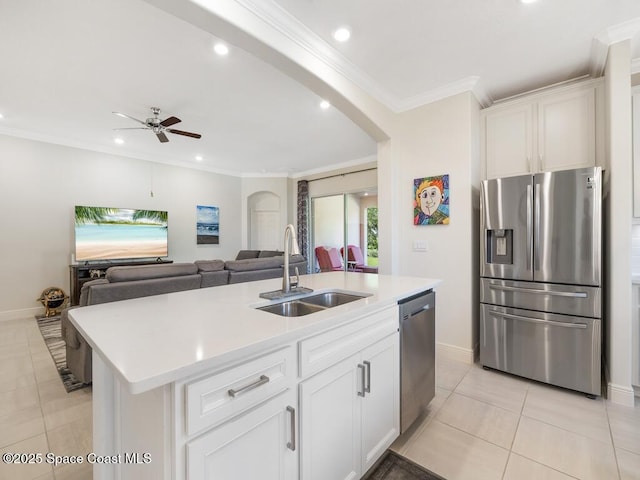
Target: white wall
[618,214]
[41,183]
[433,140]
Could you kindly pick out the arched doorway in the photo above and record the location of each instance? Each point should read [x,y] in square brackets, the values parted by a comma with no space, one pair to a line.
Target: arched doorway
[264,221]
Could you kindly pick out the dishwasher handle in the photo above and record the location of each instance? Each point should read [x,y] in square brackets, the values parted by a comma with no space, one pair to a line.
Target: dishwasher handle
[424,308]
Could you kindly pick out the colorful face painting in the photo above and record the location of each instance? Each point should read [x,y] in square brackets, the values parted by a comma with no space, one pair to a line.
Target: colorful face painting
[431,200]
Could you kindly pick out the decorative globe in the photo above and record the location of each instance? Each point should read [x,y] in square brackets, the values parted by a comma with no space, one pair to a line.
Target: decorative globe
[52,298]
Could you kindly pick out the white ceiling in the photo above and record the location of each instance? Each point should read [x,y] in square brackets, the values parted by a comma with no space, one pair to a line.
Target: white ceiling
[66,65]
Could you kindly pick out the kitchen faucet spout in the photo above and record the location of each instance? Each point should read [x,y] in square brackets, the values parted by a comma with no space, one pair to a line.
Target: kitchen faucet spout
[290,248]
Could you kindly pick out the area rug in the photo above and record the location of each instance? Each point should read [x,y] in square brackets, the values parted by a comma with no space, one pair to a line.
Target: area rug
[396,467]
[51,332]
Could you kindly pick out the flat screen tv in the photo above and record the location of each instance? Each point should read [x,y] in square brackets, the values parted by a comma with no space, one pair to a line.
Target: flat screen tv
[119,233]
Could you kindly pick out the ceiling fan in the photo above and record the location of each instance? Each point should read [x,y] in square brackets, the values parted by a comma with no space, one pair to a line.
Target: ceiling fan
[158,126]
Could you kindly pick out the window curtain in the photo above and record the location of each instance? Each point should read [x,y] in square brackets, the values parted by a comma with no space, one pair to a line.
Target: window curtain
[303,221]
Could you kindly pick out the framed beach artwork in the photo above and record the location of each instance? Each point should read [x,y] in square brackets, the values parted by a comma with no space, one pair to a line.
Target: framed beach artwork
[208,225]
[431,200]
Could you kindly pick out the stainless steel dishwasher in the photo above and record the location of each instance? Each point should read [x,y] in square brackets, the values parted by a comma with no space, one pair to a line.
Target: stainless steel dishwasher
[417,355]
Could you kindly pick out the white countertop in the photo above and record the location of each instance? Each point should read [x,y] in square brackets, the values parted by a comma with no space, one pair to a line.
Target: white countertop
[153,341]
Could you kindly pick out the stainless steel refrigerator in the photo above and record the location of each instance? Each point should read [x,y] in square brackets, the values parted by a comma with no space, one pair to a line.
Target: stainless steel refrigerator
[541,277]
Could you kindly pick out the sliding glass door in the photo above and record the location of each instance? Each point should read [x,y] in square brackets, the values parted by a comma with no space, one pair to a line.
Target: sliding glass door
[344,231]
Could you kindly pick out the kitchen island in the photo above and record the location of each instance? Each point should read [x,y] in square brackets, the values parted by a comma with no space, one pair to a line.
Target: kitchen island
[201,384]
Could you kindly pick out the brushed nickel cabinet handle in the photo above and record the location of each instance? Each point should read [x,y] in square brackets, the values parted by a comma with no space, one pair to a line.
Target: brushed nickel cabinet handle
[292,444]
[367,385]
[362,373]
[236,393]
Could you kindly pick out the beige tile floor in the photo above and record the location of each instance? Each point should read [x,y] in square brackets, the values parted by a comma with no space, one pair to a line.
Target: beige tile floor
[37,415]
[481,424]
[484,424]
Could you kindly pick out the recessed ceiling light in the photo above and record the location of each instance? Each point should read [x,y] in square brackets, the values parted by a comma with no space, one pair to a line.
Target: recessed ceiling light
[324,104]
[528,1]
[221,49]
[118,140]
[1,116]
[342,34]
[199,158]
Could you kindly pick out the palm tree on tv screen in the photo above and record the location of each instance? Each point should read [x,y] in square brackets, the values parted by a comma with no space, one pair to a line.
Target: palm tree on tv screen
[92,214]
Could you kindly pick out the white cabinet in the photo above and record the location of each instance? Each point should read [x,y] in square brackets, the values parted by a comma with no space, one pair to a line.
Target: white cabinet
[508,140]
[636,151]
[635,335]
[556,129]
[240,421]
[260,444]
[380,404]
[350,413]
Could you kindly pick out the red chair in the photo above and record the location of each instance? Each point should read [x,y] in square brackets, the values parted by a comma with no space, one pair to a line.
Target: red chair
[356,259]
[328,260]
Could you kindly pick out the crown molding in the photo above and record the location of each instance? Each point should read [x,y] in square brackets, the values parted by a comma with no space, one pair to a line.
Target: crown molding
[337,166]
[602,42]
[470,84]
[282,21]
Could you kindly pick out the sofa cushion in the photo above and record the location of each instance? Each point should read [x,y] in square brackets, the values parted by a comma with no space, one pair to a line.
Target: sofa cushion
[86,288]
[270,253]
[117,291]
[147,272]
[253,264]
[214,279]
[244,254]
[210,265]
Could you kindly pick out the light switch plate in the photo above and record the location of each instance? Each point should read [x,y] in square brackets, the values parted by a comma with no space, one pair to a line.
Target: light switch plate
[420,245]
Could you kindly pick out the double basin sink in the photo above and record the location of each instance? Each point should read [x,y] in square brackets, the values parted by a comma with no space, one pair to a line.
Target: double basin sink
[312,303]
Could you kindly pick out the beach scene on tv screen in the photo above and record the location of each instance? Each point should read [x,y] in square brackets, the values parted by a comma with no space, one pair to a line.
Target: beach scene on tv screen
[118,233]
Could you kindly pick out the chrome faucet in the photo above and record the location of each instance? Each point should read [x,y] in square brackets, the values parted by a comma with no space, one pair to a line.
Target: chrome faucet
[290,248]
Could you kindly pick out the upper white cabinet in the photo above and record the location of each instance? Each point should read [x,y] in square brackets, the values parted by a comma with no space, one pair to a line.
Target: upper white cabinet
[556,129]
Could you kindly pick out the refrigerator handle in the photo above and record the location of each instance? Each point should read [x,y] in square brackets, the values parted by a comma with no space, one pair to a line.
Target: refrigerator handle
[536,227]
[529,227]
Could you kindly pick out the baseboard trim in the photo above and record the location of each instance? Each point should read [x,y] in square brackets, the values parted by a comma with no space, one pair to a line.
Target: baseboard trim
[22,313]
[458,354]
[620,394]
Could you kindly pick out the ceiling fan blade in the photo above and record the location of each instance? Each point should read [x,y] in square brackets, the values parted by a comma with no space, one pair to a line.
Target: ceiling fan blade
[124,115]
[186,134]
[167,122]
[162,137]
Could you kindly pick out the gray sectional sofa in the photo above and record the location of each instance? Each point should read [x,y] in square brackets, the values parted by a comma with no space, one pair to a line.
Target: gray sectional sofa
[124,283]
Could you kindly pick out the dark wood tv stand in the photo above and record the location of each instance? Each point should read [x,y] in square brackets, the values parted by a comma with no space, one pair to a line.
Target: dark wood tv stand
[80,273]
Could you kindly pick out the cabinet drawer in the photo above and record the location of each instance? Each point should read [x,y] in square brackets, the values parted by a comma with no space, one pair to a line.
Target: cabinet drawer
[216,398]
[326,349]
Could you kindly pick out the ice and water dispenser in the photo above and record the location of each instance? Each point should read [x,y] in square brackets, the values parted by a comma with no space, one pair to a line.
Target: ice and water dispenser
[499,245]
